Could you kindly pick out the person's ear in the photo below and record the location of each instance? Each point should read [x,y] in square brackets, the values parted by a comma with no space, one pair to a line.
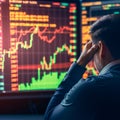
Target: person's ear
[102,49]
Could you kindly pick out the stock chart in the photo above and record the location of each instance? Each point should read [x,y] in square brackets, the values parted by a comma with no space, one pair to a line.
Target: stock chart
[38,42]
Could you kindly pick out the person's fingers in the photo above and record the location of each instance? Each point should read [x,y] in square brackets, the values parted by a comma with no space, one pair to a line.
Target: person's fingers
[89,44]
[87,53]
[93,49]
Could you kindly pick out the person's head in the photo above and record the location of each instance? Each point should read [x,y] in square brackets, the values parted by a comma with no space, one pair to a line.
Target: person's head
[106,33]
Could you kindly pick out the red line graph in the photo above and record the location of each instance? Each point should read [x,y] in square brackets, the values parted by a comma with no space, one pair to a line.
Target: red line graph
[36,30]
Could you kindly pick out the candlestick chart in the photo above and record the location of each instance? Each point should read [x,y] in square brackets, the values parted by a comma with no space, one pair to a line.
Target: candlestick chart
[38,43]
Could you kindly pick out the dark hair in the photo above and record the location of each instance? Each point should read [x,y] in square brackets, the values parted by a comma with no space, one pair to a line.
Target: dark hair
[107,29]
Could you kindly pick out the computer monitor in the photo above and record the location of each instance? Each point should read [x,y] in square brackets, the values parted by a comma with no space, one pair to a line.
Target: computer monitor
[39,39]
[91,11]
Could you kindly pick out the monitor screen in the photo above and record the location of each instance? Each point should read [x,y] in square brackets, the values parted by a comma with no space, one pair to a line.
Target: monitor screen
[38,43]
[90,12]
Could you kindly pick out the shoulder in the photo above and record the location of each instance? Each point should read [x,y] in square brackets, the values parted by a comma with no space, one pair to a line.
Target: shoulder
[90,95]
[89,88]
[82,97]
[83,89]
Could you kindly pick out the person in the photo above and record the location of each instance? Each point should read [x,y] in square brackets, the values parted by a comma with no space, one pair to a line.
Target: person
[96,97]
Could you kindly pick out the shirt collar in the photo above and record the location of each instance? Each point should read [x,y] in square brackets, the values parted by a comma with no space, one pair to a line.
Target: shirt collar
[108,66]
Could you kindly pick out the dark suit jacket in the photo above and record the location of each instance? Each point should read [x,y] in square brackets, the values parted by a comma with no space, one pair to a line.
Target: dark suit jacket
[96,98]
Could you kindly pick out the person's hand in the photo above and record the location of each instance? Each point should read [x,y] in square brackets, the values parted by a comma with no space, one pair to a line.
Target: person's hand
[87,53]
